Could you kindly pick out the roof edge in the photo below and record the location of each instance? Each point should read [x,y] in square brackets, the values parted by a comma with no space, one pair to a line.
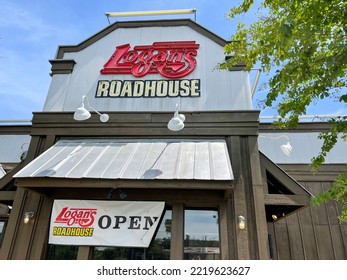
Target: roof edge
[280,174]
[134,24]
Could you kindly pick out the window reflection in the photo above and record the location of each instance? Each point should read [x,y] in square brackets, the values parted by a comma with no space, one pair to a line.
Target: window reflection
[159,248]
[5,211]
[201,235]
[2,230]
[60,252]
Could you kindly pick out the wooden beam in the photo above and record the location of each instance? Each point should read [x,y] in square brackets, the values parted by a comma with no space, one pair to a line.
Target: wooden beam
[131,184]
[283,177]
[15,129]
[7,195]
[177,232]
[143,124]
[228,193]
[8,177]
[290,200]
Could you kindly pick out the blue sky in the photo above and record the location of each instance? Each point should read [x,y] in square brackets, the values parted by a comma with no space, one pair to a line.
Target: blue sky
[31,31]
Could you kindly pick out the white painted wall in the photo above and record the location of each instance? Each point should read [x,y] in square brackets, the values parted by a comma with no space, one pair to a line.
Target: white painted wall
[306,145]
[220,90]
[12,147]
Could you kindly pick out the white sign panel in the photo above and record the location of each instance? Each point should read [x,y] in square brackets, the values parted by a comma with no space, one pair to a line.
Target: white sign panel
[150,69]
[104,223]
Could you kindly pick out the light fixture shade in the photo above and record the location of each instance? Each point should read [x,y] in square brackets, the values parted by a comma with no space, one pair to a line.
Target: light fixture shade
[28,216]
[175,124]
[241,220]
[81,114]
[104,117]
[287,149]
[182,117]
[177,121]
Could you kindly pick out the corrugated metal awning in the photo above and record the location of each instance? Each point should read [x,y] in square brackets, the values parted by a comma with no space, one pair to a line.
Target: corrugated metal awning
[133,159]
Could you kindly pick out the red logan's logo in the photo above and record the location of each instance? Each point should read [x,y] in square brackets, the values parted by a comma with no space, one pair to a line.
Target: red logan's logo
[169,59]
[83,217]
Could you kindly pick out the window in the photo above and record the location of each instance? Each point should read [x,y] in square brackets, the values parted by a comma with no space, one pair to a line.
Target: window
[159,248]
[60,252]
[3,224]
[5,211]
[201,235]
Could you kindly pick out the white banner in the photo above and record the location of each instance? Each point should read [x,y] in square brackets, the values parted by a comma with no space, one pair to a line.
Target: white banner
[104,223]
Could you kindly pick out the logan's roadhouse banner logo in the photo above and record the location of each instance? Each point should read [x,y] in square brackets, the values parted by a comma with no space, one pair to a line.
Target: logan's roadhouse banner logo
[172,60]
[104,223]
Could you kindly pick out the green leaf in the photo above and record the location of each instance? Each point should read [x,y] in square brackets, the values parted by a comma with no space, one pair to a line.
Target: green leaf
[305,44]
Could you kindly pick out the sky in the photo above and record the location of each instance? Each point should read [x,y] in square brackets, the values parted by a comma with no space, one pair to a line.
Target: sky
[32,30]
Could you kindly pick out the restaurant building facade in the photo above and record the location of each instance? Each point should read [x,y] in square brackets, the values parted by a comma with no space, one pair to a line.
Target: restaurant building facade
[145,150]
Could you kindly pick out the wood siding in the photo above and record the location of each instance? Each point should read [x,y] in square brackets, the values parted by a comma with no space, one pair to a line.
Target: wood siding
[313,233]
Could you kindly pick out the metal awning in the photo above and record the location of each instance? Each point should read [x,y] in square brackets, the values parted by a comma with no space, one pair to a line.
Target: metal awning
[168,159]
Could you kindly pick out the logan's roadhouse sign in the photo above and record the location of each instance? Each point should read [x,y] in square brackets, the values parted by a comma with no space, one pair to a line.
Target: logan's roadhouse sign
[104,223]
[171,60]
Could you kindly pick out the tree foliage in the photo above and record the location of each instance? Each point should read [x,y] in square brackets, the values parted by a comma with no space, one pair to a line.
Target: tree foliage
[305,43]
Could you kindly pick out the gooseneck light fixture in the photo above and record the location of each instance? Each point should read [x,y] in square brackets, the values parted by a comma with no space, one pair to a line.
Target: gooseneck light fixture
[285,148]
[177,121]
[82,113]
[28,216]
[241,221]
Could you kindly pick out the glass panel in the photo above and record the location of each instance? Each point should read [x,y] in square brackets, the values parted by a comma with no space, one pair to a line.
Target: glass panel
[60,252]
[201,235]
[159,249]
[2,230]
